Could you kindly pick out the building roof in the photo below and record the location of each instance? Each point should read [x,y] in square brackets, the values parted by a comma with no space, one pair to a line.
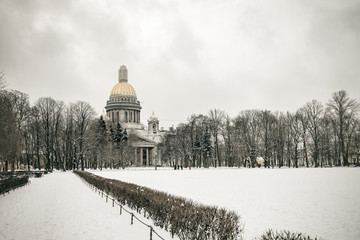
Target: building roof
[123,88]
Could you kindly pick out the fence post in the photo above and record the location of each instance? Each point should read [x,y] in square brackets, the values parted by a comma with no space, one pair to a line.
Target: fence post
[113,202]
[106,197]
[151,230]
[120,209]
[102,194]
[132,218]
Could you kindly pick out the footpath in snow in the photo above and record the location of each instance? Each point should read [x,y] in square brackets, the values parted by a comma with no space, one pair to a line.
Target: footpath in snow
[60,206]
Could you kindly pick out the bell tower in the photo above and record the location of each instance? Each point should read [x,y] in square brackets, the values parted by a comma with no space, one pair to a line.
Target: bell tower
[153,124]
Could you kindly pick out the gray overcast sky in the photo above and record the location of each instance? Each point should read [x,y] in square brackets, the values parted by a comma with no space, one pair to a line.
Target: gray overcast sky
[185,56]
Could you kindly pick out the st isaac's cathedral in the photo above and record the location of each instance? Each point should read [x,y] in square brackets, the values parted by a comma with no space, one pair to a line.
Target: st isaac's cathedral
[123,107]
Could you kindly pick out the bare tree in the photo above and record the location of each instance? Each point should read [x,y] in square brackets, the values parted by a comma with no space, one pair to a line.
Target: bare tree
[182,145]
[10,137]
[69,138]
[344,111]
[304,126]
[21,109]
[58,129]
[295,132]
[166,147]
[2,81]
[327,141]
[268,122]
[101,141]
[192,126]
[248,126]
[357,144]
[216,119]
[36,135]
[21,106]
[314,112]
[83,114]
[228,132]
[45,107]
[197,126]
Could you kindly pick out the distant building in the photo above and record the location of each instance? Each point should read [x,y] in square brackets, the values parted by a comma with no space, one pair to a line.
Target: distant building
[123,107]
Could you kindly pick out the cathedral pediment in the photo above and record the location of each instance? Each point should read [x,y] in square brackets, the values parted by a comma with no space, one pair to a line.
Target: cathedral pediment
[143,142]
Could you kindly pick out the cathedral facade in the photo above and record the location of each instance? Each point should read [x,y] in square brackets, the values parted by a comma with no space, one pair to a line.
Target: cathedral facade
[123,107]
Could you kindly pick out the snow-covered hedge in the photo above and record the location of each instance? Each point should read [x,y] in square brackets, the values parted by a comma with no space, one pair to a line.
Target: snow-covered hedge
[180,216]
[12,182]
[285,235]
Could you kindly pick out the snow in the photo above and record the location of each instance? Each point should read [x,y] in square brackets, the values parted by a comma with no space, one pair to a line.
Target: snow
[318,202]
[61,206]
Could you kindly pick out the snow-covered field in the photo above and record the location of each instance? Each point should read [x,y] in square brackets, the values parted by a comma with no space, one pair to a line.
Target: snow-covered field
[318,202]
[322,202]
[60,206]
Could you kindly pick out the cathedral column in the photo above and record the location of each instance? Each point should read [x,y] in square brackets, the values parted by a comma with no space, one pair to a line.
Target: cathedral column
[141,156]
[150,157]
[147,156]
[136,158]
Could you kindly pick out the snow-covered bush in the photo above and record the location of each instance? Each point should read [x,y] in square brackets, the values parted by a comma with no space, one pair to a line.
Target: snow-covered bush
[284,235]
[180,216]
[13,182]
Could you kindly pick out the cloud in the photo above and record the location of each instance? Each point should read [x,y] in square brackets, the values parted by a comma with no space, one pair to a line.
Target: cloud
[184,56]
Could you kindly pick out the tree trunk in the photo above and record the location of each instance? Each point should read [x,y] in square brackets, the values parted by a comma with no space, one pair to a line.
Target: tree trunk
[296,156]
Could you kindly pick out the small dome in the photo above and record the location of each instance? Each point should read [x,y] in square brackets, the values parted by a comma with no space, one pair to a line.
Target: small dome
[123,89]
[153,117]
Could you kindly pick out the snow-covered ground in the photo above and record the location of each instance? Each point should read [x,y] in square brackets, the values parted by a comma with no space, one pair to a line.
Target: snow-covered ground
[318,202]
[60,206]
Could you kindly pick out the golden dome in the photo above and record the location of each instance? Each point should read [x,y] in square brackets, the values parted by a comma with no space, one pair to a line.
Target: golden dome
[123,88]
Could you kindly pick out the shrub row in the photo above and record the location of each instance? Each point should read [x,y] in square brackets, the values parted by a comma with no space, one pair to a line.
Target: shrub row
[285,235]
[13,182]
[179,216]
[38,173]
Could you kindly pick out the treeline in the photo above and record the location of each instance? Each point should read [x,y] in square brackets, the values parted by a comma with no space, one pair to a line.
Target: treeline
[51,135]
[315,135]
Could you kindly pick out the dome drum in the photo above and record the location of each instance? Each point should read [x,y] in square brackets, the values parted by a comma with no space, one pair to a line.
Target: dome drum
[124,98]
[116,106]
